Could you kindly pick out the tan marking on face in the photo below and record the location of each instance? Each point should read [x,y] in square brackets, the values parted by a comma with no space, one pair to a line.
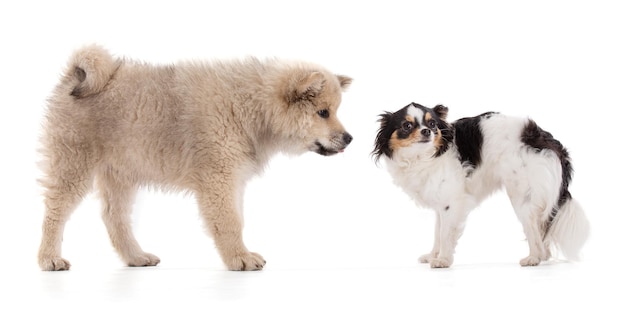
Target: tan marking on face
[396,142]
[438,141]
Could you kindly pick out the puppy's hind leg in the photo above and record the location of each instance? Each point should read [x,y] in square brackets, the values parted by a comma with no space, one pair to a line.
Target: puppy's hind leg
[117,198]
[60,202]
[68,179]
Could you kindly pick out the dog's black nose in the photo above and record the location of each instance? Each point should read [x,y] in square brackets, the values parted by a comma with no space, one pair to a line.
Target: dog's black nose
[347,138]
[425,132]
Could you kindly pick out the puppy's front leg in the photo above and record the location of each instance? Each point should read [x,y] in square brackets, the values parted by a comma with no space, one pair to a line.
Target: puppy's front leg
[220,207]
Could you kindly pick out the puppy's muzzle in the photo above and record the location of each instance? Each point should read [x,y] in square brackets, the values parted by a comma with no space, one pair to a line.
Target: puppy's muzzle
[337,144]
[347,138]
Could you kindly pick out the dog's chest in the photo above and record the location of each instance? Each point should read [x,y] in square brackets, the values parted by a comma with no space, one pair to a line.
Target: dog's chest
[431,184]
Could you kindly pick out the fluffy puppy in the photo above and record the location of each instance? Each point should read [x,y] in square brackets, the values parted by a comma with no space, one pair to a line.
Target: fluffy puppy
[200,127]
[452,167]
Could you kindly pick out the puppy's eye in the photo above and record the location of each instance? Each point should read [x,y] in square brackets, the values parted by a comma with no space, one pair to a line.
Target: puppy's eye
[323,113]
[431,124]
[407,126]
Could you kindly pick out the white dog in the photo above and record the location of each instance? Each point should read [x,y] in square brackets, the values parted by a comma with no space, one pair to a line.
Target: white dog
[452,167]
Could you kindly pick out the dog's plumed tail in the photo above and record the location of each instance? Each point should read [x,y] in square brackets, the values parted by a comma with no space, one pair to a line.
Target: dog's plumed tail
[89,70]
[569,230]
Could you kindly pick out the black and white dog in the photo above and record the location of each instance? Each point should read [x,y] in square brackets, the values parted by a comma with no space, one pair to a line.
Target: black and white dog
[452,167]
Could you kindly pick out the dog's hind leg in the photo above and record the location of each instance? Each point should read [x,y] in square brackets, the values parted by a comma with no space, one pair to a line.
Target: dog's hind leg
[530,217]
[117,198]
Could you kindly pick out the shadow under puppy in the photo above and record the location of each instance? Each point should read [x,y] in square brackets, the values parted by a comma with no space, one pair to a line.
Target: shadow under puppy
[452,167]
[200,127]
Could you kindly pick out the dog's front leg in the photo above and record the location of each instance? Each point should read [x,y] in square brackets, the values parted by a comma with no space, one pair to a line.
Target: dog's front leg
[221,208]
[426,258]
[451,226]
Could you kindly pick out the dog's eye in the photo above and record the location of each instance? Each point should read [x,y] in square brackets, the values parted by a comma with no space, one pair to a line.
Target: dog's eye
[431,124]
[407,126]
[323,113]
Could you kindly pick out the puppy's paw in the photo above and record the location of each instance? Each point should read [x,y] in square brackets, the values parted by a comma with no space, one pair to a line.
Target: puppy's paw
[248,261]
[426,258]
[143,259]
[530,261]
[439,263]
[54,263]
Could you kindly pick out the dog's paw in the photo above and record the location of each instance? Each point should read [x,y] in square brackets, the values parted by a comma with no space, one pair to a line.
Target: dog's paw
[248,261]
[143,259]
[439,263]
[54,263]
[530,261]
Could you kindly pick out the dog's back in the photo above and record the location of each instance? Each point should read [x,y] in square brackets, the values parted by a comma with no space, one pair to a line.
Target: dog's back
[536,171]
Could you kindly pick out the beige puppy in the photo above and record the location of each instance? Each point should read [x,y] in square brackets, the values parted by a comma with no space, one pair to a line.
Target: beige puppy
[205,128]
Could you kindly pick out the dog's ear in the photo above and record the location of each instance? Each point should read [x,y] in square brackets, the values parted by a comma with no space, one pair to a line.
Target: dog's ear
[441,111]
[344,81]
[305,86]
[384,119]
[381,144]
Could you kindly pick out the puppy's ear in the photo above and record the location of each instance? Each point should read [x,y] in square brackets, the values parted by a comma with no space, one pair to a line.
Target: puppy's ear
[344,81]
[441,111]
[305,86]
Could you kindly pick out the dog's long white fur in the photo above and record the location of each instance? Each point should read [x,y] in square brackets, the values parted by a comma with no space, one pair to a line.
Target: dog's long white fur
[531,179]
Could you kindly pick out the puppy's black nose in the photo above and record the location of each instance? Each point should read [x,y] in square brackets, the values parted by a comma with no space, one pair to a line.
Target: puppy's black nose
[425,132]
[347,138]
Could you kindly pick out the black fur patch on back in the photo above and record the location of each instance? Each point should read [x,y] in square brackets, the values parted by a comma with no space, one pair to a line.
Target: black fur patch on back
[469,139]
[539,140]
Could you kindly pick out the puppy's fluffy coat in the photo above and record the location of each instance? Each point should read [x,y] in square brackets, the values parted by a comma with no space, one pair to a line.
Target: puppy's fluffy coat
[452,167]
[199,127]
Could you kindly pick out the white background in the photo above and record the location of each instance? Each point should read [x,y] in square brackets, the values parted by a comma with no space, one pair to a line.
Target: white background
[340,240]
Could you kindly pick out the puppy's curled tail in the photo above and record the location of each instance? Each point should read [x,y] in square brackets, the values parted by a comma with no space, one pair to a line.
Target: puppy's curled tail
[89,70]
[570,230]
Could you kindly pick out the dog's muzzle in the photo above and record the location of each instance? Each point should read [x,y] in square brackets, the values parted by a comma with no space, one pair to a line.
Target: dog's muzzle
[425,136]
